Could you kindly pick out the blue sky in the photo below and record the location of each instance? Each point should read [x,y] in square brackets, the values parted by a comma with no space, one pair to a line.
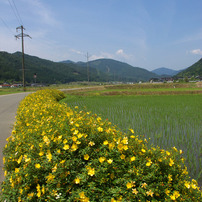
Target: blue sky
[143,33]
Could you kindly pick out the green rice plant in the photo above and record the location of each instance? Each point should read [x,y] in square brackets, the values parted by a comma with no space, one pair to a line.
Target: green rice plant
[167,120]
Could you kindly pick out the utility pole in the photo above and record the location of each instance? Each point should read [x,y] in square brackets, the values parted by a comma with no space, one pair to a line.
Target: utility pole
[22,35]
[87,56]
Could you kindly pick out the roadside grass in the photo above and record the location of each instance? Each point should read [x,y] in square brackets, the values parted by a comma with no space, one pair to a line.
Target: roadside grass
[167,120]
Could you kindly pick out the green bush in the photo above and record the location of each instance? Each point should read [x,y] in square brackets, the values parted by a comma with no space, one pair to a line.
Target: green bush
[56,153]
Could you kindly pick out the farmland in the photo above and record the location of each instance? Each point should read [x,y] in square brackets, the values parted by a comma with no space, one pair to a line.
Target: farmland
[166,116]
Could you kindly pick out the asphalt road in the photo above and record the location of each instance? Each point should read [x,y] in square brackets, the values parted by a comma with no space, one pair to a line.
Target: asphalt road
[8,107]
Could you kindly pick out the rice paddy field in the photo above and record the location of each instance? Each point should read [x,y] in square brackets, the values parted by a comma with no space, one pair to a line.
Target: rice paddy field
[165,120]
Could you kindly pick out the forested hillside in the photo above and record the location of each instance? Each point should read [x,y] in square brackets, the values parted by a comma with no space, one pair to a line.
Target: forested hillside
[47,71]
[120,71]
[193,70]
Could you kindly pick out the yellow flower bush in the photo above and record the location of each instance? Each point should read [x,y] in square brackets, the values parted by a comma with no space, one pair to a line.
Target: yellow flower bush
[56,153]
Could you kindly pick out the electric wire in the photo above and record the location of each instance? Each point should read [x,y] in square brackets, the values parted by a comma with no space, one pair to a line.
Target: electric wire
[6,25]
[15,11]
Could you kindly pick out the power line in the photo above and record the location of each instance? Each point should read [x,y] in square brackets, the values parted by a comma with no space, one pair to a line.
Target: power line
[6,25]
[16,13]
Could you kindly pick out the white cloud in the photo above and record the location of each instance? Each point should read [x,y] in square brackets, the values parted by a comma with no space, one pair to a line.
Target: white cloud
[119,52]
[196,52]
[77,52]
[122,54]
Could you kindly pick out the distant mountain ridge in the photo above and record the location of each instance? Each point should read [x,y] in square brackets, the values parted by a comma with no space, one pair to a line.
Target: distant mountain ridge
[100,70]
[47,71]
[165,71]
[121,71]
[67,71]
[118,71]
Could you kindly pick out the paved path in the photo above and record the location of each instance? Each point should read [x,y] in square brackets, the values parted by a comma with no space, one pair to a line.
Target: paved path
[8,107]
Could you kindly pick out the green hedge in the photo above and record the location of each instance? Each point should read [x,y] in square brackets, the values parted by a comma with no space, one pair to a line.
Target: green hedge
[56,153]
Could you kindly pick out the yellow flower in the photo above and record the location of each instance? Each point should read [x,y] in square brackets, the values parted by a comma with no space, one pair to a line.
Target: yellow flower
[100,129]
[132,158]
[91,171]
[75,132]
[149,163]
[50,177]
[91,143]
[17,170]
[122,156]
[175,149]
[77,180]
[46,140]
[150,193]
[129,185]
[171,162]
[30,195]
[79,135]
[167,191]
[125,147]
[111,145]
[105,142]
[54,169]
[187,184]
[132,131]
[43,189]
[170,177]
[168,153]
[65,141]
[58,151]
[74,147]
[86,156]
[83,198]
[38,190]
[134,191]
[62,161]
[144,185]
[49,155]
[41,153]
[66,147]
[74,138]
[102,159]
[193,186]
[143,150]
[109,161]
[20,159]
[175,195]
[125,140]
[37,165]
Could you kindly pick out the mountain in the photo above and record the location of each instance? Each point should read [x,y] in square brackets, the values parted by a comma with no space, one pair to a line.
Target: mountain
[67,71]
[120,71]
[67,61]
[47,71]
[193,70]
[165,71]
